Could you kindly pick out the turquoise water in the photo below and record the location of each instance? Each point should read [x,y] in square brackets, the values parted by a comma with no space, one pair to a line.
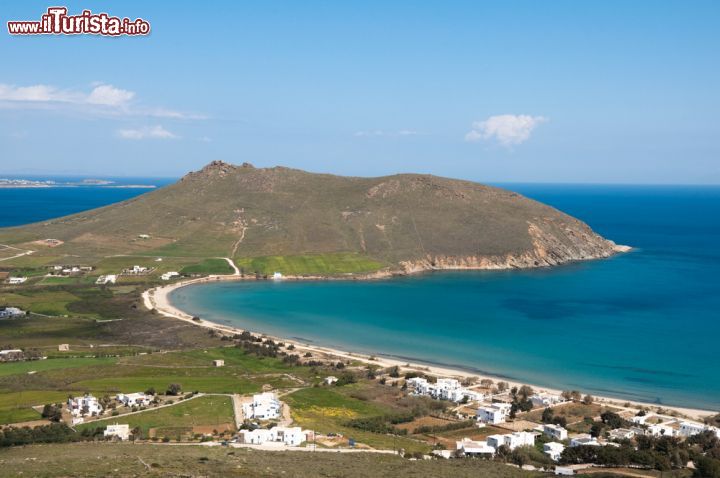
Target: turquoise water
[643,325]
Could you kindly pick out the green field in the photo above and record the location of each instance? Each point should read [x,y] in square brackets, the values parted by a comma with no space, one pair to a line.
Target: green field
[56,378]
[17,406]
[207,267]
[327,409]
[12,368]
[309,264]
[207,411]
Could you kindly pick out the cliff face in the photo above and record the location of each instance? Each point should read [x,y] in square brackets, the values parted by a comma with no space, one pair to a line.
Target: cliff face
[548,250]
[409,222]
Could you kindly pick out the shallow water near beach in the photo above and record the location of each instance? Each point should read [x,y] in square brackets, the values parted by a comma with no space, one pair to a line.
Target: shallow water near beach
[642,326]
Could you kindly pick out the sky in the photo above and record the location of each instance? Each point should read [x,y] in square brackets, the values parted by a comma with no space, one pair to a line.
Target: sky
[496,91]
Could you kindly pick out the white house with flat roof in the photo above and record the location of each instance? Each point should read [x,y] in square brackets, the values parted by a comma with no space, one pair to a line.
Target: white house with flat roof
[443,389]
[264,406]
[106,279]
[474,448]
[85,405]
[661,429]
[134,399]
[290,436]
[553,449]
[584,439]
[688,429]
[120,431]
[511,440]
[169,275]
[621,434]
[555,432]
[17,280]
[546,399]
[8,312]
[494,413]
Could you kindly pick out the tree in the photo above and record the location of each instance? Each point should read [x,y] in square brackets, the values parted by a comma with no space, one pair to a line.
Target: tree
[588,399]
[548,415]
[706,468]
[525,392]
[174,389]
[150,391]
[486,383]
[502,386]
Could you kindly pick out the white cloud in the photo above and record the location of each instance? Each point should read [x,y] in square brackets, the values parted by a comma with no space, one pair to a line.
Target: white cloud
[39,93]
[507,130]
[103,100]
[109,95]
[148,132]
[379,132]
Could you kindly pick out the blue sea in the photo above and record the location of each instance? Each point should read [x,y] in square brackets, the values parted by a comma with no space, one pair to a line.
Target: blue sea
[643,325]
[26,205]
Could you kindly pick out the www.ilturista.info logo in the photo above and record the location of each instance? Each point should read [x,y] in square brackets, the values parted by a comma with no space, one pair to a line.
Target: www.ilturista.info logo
[57,22]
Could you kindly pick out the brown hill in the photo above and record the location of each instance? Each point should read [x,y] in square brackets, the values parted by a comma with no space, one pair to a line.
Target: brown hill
[407,221]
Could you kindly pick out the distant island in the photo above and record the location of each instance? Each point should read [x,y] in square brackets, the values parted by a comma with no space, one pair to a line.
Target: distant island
[33,183]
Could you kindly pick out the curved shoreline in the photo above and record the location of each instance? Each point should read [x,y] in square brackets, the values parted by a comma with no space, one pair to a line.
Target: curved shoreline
[158,298]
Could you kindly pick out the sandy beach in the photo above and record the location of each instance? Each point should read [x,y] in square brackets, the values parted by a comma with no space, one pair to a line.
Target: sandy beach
[158,299]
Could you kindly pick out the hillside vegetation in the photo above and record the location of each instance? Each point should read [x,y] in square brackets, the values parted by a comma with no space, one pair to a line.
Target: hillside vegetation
[318,223]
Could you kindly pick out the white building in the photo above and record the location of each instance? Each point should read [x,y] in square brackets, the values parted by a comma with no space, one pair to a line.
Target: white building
[218,363]
[169,275]
[688,429]
[85,405]
[120,431]
[277,275]
[545,399]
[474,448]
[17,280]
[106,279]
[255,437]
[553,449]
[621,434]
[134,399]
[494,413]
[137,270]
[584,439]
[511,440]
[555,431]
[330,380]
[640,419]
[443,389]
[63,347]
[661,429]
[290,436]
[264,406]
[6,312]
[10,355]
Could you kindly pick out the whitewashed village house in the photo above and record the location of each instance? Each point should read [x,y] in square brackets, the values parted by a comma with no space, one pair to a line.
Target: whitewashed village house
[443,389]
[555,432]
[264,406]
[290,436]
[512,440]
[553,449]
[470,447]
[584,439]
[84,406]
[119,431]
[494,413]
[134,399]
